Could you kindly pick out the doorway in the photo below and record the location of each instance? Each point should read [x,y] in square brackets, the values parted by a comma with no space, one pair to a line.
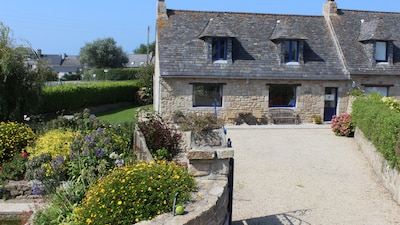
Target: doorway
[330,103]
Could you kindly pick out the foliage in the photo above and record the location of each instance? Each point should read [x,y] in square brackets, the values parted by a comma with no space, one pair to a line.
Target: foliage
[357,92]
[103,53]
[145,77]
[380,124]
[135,193]
[94,153]
[317,119]
[159,135]
[142,49]
[14,169]
[342,125]
[200,122]
[20,84]
[14,138]
[392,103]
[115,74]
[55,142]
[72,96]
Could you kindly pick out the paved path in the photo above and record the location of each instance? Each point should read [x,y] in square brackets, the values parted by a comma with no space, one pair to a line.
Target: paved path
[305,175]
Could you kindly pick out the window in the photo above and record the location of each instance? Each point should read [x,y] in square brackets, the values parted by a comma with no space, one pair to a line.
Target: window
[282,96]
[207,95]
[219,48]
[381,51]
[291,51]
[381,90]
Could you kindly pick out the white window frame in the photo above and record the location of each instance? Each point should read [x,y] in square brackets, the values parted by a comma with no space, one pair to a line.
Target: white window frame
[381,51]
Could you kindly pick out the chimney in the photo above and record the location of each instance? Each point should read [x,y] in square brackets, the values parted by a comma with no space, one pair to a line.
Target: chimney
[39,52]
[330,8]
[162,10]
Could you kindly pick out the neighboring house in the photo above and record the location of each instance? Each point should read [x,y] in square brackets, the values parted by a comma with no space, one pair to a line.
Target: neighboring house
[248,62]
[138,60]
[62,65]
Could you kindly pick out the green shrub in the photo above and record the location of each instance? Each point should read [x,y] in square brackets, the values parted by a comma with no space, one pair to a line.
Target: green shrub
[15,168]
[380,124]
[135,193]
[14,138]
[200,122]
[113,74]
[159,135]
[76,96]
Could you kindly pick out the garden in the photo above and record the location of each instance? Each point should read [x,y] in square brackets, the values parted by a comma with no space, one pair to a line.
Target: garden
[85,169]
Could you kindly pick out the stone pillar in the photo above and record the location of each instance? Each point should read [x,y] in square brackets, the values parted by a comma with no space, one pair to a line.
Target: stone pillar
[208,162]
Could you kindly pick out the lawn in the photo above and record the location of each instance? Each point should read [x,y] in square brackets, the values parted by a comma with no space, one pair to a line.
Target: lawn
[121,115]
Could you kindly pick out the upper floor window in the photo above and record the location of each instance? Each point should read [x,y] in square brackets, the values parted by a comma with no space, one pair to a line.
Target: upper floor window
[219,48]
[291,51]
[381,51]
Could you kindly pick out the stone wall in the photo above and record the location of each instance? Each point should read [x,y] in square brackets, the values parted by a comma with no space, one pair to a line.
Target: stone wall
[241,95]
[211,167]
[17,190]
[390,177]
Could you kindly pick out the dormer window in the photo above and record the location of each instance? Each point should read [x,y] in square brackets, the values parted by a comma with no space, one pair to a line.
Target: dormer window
[219,48]
[291,51]
[381,51]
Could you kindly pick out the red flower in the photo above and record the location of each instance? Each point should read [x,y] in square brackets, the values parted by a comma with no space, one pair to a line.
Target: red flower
[24,154]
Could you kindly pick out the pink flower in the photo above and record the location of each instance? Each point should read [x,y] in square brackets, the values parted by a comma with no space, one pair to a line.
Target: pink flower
[24,154]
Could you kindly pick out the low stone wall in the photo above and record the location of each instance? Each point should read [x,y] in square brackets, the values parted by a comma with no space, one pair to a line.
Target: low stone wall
[390,177]
[17,190]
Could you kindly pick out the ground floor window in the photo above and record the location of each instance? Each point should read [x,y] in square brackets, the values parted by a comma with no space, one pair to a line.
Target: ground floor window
[381,90]
[207,95]
[282,95]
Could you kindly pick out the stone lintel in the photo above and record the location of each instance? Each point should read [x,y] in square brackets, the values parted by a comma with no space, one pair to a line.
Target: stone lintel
[226,153]
[200,154]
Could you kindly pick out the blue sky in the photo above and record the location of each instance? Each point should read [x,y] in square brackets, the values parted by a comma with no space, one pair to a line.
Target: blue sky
[59,27]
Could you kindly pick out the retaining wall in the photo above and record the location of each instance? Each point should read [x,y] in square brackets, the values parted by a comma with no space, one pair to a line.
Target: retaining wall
[390,177]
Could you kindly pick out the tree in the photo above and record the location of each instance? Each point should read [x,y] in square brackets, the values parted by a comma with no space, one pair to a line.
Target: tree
[145,77]
[103,53]
[142,49]
[20,84]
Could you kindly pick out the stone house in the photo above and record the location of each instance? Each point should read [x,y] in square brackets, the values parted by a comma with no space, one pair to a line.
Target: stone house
[250,63]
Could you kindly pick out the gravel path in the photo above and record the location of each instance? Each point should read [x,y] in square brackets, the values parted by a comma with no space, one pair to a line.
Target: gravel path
[305,175]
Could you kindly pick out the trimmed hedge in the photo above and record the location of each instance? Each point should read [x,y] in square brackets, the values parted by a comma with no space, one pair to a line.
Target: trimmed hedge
[380,124]
[113,74]
[76,96]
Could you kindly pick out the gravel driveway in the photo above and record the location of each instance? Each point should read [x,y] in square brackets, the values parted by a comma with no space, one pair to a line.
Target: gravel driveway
[303,174]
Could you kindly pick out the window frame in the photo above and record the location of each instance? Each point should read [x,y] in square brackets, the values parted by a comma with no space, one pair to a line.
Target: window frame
[216,53]
[375,89]
[218,95]
[378,53]
[287,54]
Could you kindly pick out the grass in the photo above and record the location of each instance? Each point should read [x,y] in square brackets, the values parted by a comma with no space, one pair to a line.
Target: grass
[121,115]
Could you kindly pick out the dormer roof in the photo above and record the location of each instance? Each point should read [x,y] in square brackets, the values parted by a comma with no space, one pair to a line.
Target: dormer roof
[216,27]
[287,29]
[374,30]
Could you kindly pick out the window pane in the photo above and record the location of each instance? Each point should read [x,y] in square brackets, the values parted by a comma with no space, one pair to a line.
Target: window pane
[291,51]
[207,95]
[282,96]
[381,90]
[380,51]
[219,50]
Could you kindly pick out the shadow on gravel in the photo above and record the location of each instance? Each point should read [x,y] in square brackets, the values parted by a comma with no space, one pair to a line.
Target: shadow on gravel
[288,218]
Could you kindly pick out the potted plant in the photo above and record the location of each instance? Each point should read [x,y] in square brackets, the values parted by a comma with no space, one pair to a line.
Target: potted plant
[316,119]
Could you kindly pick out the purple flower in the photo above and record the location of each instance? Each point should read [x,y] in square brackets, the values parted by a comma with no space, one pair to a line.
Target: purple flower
[100,131]
[100,152]
[36,188]
[85,153]
[72,155]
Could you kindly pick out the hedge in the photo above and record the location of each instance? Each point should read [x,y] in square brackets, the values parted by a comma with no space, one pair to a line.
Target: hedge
[113,74]
[77,96]
[380,124]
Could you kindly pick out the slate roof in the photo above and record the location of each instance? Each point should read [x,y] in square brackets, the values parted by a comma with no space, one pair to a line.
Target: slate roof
[182,49]
[352,27]
[136,60]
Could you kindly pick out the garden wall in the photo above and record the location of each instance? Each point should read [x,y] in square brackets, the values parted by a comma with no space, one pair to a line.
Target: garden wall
[211,204]
[390,177]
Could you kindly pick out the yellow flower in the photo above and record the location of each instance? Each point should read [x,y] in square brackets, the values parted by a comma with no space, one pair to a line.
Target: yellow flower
[88,221]
[119,202]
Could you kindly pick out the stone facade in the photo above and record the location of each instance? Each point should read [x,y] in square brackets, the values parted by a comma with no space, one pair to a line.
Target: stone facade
[240,95]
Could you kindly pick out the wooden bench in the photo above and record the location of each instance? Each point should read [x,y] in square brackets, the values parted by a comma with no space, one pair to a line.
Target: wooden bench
[279,115]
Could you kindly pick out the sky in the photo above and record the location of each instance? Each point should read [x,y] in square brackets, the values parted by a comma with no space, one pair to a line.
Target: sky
[59,27]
